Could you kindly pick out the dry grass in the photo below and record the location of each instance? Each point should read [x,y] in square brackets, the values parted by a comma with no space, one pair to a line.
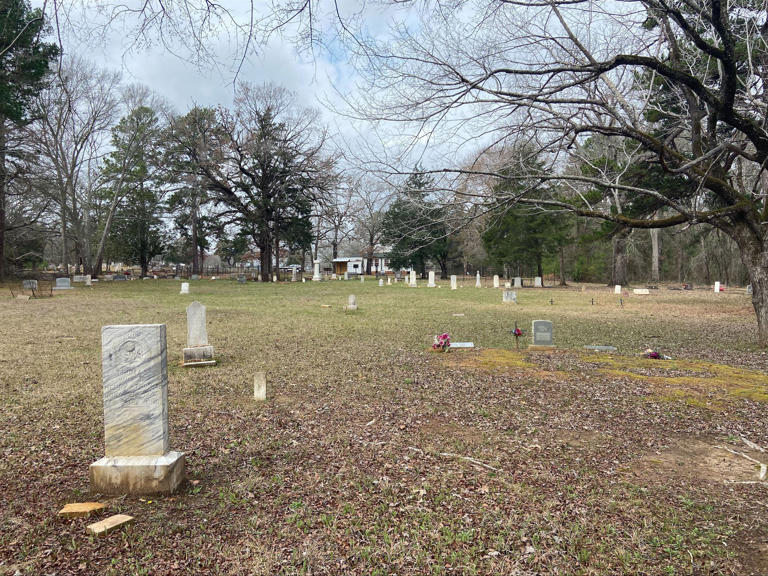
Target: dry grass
[373,456]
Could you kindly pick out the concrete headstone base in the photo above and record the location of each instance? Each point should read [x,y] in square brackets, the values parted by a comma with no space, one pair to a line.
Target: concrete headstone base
[199,356]
[138,474]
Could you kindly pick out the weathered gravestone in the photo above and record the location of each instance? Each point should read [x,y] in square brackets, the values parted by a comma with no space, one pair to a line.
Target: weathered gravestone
[195,277]
[88,281]
[454,284]
[518,282]
[412,282]
[389,281]
[537,282]
[717,287]
[260,386]
[120,278]
[29,284]
[198,352]
[184,288]
[138,459]
[431,279]
[641,291]
[352,303]
[346,275]
[507,284]
[509,296]
[62,284]
[495,280]
[542,334]
[749,289]
[316,274]
[79,278]
[241,279]
[293,274]
[617,289]
[477,281]
[362,278]
[381,281]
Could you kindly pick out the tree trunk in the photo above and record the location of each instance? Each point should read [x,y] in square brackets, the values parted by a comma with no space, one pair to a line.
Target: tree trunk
[99,259]
[369,259]
[654,254]
[3,183]
[705,253]
[195,243]
[619,260]
[277,256]
[561,263]
[754,255]
[539,268]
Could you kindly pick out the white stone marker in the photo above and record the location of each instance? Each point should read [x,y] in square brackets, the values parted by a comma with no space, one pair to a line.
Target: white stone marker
[617,289]
[477,282]
[293,274]
[495,280]
[303,280]
[518,282]
[134,373]
[389,281]
[362,278]
[509,296]
[537,282]
[274,278]
[352,303]
[65,284]
[260,386]
[316,275]
[454,284]
[88,281]
[717,286]
[381,281]
[641,291]
[412,283]
[507,284]
[184,288]
[431,281]
[346,275]
[198,352]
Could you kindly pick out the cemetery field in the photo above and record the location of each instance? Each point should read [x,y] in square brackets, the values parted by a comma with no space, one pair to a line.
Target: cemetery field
[373,455]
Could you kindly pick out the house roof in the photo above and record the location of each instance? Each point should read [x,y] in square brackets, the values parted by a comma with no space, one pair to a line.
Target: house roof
[348,259]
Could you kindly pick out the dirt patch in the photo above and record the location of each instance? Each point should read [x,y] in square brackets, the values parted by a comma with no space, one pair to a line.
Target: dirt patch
[580,438]
[698,460]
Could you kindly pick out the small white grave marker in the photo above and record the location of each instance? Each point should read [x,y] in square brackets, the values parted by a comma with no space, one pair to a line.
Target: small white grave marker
[260,386]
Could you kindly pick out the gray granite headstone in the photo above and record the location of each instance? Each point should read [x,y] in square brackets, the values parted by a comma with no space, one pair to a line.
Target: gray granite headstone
[78,278]
[542,333]
[241,279]
[197,335]
[63,284]
[120,277]
[749,289]
[134,365]
[518,282]
[352,303]
[29,284]
[195,277]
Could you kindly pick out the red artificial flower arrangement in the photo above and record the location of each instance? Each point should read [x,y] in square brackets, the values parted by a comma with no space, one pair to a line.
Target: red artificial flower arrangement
[442,342]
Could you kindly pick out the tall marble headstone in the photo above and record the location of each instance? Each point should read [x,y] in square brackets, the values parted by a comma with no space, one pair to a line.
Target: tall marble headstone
[316,275]
[495,280]
[477,282]
[617,289]
[542,333]
[184,288]
[138,459]
[537,282]
[412,282]
[431,280]
[509,296]
[518,282]
[88,280]
[717,286]
[293,274]
[198,352]
[389,281]
[454,284]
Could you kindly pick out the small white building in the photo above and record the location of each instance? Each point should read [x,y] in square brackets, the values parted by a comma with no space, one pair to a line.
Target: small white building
[356,265]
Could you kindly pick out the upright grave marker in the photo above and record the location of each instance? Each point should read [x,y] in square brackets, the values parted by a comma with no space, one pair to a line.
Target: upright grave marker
[509,296]
[431,281]
[260,386]
[316,274]
[62,284]
[518,282]
[542,334]
[717,286]
[352,303]
[198,352]
[477,282]
[537,282]
[381,281]
[136,446]
[617,289]
[184,288]
[495,280]
[412,282]
[454,285]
